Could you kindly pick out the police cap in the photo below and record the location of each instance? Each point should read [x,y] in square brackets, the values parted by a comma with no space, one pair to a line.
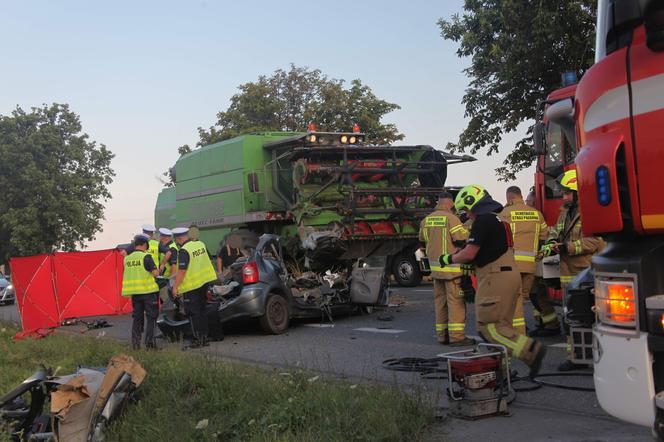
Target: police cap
[179,231]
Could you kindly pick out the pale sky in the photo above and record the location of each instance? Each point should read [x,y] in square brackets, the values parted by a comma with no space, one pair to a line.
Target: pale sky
[144,75]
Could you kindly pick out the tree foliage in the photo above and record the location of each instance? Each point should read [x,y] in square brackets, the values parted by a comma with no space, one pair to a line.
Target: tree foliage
[518,50]
[54,180]
[289,100]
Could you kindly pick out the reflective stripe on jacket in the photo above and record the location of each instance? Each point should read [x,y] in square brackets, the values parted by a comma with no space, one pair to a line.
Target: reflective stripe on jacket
[200,270]
[135,279]
[528,229]
[439,230]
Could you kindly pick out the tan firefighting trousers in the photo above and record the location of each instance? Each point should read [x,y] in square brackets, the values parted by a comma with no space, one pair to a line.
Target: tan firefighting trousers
[519,322]
[450,309]
[544,313]
[498,285]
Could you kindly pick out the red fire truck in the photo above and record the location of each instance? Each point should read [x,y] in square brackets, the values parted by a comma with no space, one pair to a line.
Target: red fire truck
[618,112]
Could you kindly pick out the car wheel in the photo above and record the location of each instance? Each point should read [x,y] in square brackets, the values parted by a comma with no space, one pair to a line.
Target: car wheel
[406,271]
[276,318]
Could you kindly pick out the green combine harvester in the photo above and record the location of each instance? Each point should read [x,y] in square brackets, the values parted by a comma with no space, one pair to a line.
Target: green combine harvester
[331,197]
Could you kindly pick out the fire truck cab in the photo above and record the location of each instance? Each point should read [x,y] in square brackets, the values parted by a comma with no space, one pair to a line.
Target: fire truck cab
[555,147]
[618,113]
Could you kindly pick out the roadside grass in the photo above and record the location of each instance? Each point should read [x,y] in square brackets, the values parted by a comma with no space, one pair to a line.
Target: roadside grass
[240,402]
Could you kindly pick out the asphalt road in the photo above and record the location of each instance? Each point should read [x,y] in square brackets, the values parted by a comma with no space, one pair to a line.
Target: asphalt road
[355,346]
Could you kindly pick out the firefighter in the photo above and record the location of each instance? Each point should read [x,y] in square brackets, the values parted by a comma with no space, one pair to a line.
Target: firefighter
[442,233]
[168,251]
[528,229]
[498,280]
[531,199]
[567,240]
[466,279]
[195,272]
[138,283]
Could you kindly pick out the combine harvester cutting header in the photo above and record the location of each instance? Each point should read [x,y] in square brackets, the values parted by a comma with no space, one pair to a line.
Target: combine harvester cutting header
[331,197]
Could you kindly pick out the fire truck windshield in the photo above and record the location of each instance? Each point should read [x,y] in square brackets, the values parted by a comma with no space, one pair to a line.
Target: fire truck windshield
[554,160]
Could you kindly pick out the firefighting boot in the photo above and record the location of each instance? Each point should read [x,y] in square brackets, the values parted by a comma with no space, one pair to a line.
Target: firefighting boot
[536,364]
[465,342]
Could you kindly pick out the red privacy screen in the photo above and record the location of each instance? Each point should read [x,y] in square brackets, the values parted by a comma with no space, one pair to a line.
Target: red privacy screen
[51,288]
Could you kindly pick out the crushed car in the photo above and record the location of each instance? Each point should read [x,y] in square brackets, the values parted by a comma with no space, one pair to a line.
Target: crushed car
[263,285]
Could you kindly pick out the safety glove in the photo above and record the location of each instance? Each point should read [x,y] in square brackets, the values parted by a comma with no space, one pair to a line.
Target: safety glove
[549,249]
[445,260]
[467,269]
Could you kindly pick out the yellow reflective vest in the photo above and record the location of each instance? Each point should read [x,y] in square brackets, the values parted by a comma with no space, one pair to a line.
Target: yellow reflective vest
[135,279]
[153,251]
[167,267]
[200,270]
[528,229]
[439,230]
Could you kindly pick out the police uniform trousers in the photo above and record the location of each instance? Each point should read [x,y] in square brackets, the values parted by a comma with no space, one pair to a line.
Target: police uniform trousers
[498,286]
[144,307]
[519,321]
[450,309]
[195,302]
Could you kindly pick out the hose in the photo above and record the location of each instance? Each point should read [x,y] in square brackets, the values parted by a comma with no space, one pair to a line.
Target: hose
[425,366]
[431,369]
[563,386]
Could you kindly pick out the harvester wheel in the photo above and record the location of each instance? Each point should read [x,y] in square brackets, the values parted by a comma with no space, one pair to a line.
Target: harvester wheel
[406,271]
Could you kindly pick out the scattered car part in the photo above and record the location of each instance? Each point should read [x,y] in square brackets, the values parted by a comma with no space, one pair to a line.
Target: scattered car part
[81,404]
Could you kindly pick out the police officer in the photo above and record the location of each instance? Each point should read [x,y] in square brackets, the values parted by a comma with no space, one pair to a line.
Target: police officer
[498,279]
[153,246]
[139,284]
[195,271]
[567,240]
[168,255]
[442,232]
[528,229]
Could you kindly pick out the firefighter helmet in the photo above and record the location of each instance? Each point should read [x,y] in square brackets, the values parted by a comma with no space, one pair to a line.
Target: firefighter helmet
[568,180]
[469,196]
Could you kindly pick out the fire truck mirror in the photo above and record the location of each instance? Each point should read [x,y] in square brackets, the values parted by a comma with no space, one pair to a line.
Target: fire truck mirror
[654,21]
[252,181]
[538,139]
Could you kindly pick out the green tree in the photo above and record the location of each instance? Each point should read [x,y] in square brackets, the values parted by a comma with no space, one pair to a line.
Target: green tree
[518,50]
[54,181]
[289,100]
